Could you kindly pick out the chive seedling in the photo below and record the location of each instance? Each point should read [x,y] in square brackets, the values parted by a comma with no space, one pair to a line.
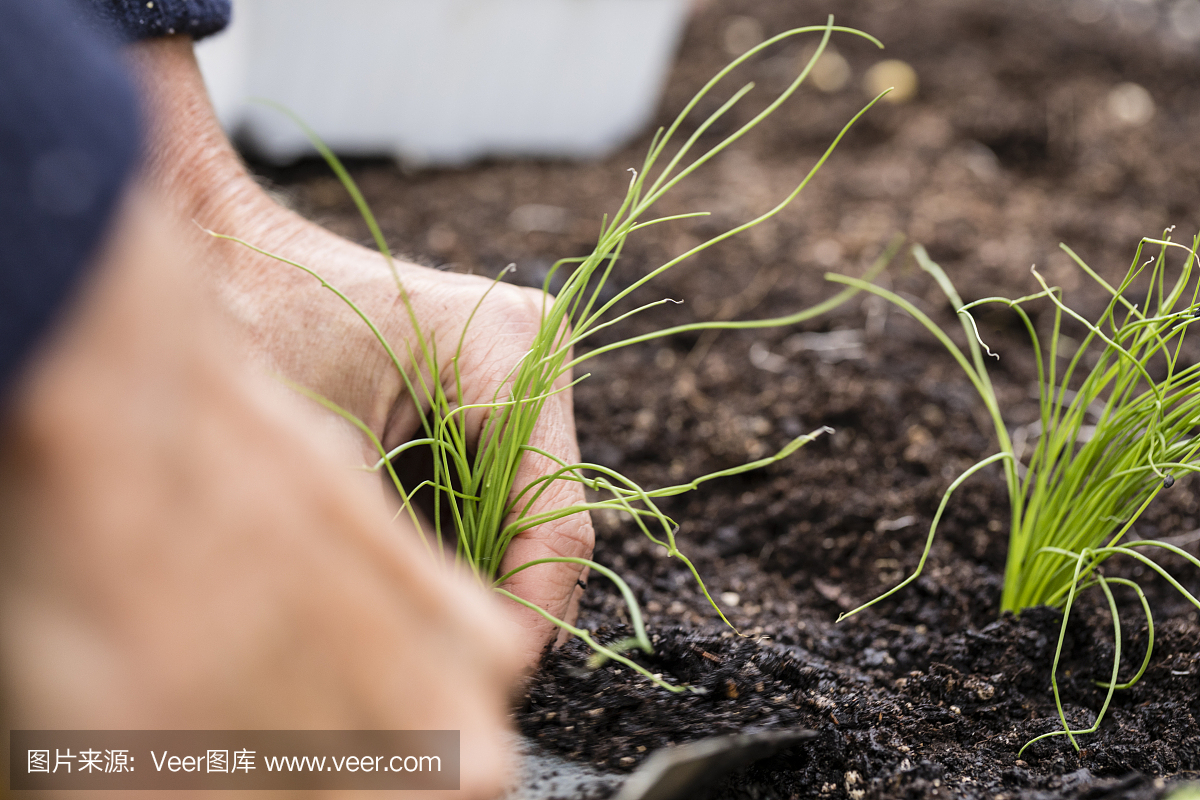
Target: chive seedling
[477,488]
[1116,427]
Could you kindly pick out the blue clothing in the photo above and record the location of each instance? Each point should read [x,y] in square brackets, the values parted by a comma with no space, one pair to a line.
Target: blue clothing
[143,19]
[68,142]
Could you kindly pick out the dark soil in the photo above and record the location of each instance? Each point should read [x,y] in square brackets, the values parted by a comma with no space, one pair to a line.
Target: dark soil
[1009,149]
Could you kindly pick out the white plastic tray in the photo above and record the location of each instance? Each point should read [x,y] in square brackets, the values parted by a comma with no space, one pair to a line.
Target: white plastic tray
[443,82]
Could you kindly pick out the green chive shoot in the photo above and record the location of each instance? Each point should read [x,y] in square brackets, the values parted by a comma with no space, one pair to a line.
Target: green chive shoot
[477,487]
[1118,425]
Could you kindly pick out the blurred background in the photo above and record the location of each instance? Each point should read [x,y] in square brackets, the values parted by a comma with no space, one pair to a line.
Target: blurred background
[443,83]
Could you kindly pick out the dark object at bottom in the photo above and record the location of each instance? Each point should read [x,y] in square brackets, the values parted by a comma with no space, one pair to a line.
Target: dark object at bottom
[686,770]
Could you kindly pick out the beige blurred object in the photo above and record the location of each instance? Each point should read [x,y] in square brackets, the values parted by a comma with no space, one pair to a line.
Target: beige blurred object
[1131,104]
[897,75]
[832,72]
[185,548]
[740,34]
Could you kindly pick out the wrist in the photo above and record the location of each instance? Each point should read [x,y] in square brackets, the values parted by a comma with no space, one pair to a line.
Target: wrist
[188,158]
[294,327]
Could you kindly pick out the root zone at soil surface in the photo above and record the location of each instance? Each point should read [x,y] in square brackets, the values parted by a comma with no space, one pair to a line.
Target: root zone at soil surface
[1010,147]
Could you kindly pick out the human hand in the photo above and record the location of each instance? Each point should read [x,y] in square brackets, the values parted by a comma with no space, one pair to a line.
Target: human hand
[180,550]
[305,333]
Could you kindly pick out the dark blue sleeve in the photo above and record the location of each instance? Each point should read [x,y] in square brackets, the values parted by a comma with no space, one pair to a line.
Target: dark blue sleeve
[142,19]
[69,140]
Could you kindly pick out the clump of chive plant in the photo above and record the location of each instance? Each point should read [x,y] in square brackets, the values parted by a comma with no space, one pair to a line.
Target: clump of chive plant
[1117,426]
[477,488]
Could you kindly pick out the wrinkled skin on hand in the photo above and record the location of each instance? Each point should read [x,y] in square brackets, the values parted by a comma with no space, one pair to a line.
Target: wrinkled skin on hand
[303,332]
